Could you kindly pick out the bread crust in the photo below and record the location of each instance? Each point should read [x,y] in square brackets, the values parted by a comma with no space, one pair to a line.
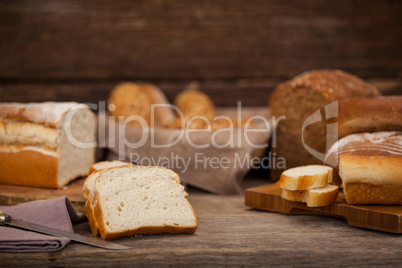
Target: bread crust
[28,166]
[46,113]
[89,212]
[364,193]
[358,115]
[371,179]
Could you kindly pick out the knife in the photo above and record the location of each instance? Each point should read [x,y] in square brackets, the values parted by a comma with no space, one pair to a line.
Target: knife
[7,220]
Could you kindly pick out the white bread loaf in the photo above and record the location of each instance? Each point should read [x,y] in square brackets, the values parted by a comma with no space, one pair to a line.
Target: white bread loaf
[305,177]
[299,98]
[383,143]
[141,200]
[316,197]
[36,148]
[371,179]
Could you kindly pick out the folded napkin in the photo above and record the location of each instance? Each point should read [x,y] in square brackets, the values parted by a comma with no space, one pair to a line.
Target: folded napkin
[56,213]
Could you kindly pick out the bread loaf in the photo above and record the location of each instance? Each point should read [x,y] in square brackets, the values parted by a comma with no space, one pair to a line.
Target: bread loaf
[383,143]
[133,101]
[141,200]
[358,115]
[371,179]
[298,99]
[43,144]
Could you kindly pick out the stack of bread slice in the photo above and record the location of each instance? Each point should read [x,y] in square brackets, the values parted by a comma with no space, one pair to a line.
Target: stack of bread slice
[125,200]
[309,184]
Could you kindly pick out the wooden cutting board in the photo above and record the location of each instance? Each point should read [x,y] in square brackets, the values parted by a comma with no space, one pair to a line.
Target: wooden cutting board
[13,195]
[383,218]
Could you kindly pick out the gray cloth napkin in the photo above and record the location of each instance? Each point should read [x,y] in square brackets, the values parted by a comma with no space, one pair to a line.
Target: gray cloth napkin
[56,213]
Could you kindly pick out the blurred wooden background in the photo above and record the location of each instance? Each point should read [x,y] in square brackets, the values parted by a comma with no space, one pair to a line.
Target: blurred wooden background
[238,50]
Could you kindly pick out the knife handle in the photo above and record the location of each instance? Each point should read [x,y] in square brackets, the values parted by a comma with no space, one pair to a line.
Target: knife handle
[4,218]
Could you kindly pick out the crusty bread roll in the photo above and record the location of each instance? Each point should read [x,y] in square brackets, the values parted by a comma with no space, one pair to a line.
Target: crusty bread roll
[130,99]
[141,200]
[383,143]
[194,104]
[301,97]
[371,179]
[43,144]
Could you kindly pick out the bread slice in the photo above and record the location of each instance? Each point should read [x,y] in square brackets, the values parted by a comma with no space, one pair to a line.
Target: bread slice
[45,144]
[305,177]
[141,200]
[322,196]
[371,179]
[316,197]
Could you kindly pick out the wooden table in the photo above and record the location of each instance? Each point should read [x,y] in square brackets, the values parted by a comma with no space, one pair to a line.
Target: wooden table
[230,234]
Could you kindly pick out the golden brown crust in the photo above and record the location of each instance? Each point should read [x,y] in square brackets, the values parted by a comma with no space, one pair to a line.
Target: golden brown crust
[130,99]
[295,196]
[28,167]
[363,193]
[369,115]
[89,212]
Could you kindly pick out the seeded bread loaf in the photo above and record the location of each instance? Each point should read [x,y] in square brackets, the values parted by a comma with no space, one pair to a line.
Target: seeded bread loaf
[45,144]
[298,99]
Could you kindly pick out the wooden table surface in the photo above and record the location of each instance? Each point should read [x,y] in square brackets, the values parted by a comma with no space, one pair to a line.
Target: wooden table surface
[230,234]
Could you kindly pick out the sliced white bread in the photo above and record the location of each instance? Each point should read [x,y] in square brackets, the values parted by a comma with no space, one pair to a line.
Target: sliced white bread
[305,177]
[141,200]
[316,197]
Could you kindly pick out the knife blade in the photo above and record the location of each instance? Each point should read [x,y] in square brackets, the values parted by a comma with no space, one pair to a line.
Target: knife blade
[7,220]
